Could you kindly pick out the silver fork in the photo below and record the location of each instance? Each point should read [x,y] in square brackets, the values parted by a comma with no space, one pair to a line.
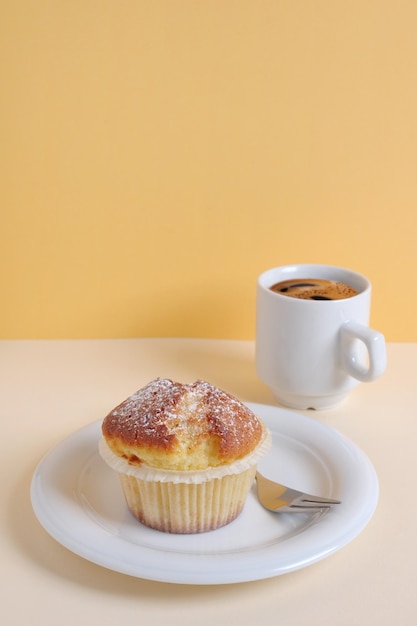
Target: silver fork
[282,499]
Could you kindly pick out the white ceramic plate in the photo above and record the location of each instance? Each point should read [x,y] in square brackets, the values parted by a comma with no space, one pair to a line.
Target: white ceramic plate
[78,500]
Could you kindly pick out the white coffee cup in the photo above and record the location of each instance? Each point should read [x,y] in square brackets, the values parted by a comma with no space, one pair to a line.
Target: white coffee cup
[311,353]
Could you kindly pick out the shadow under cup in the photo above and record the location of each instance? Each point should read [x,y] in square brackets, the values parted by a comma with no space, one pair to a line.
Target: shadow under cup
[310,353]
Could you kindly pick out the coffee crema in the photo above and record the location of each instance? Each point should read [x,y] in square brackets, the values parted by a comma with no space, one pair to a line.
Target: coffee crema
[314,289]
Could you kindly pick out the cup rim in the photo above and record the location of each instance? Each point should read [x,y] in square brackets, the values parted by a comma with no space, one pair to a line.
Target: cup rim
[314,270]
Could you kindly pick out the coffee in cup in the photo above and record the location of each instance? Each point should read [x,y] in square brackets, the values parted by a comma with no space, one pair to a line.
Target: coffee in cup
[314,289]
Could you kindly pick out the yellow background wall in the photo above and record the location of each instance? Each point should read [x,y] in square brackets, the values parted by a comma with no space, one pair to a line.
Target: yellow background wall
[157,155]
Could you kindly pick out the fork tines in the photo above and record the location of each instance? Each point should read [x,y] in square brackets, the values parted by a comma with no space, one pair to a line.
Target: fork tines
[279,498]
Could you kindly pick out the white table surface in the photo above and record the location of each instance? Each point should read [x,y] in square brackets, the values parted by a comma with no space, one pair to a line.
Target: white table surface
[51,388]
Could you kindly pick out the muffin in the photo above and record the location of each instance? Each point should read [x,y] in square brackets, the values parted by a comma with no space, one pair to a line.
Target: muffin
[186,454]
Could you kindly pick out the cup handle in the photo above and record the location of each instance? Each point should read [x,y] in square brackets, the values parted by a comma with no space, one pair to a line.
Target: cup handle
[375,345]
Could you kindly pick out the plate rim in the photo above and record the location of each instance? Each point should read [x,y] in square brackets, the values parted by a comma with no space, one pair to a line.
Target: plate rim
[233,572]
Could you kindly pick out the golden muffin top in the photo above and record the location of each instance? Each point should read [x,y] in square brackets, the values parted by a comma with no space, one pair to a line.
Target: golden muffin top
[175,426]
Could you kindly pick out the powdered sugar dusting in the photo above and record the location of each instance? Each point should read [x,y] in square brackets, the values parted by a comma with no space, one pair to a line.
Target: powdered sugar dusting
[149,409]
[167,414]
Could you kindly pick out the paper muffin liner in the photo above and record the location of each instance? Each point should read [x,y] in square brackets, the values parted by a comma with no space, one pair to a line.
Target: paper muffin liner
[186,507]
[190,501]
